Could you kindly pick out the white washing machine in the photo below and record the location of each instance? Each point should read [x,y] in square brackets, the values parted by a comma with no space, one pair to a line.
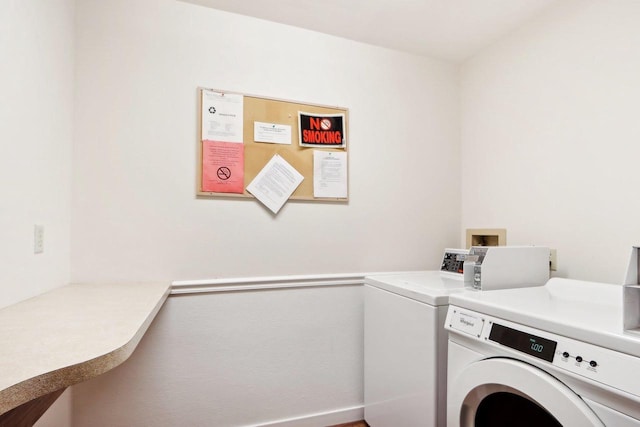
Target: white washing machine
[554,355]
[405,344]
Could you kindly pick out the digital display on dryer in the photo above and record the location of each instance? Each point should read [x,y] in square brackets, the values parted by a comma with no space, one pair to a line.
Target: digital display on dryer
[541,348]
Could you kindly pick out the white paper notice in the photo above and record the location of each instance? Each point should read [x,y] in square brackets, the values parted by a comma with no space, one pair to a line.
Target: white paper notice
[222,117]
[275,183]
[329,174]
[272,133]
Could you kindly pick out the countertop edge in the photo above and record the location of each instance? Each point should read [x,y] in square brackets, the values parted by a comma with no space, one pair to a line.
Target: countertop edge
[48,382]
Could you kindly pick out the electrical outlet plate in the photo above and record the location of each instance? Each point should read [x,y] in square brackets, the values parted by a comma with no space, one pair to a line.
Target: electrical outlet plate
[38,239]
[553,260]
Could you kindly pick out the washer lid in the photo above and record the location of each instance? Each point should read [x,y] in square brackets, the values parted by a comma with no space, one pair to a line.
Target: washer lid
[502,381]
[431,287]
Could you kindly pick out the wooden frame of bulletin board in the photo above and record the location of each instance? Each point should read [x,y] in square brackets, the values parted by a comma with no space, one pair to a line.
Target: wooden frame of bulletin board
[257,154]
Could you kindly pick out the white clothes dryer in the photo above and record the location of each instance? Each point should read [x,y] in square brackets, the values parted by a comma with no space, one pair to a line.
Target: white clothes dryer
[554,355]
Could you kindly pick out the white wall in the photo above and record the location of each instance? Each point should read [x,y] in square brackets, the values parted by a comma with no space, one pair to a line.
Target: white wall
[252,357]
[36,128]
[233,359]
[136,217]
[36,134]
[551,136]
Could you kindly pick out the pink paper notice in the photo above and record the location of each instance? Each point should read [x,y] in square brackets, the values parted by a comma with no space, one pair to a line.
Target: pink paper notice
[222,167]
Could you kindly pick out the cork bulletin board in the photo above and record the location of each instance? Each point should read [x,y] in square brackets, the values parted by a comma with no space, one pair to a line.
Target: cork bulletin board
[257,154]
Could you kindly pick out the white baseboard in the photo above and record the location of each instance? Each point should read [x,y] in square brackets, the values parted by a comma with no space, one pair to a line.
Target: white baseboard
[321,419]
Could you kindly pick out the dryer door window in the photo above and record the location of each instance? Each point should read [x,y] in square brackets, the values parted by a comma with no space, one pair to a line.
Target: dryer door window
[504,392]
[500,408]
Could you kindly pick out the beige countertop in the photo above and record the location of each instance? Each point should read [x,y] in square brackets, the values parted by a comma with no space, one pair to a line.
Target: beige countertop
[71,334]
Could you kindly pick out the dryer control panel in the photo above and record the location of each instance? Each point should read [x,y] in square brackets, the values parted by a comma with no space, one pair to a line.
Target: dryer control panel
[505,338]
[530,344]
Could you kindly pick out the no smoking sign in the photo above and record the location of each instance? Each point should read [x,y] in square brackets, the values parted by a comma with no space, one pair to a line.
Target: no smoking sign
[224,173]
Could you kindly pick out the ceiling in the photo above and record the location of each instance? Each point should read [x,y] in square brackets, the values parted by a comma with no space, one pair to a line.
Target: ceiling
[447,29]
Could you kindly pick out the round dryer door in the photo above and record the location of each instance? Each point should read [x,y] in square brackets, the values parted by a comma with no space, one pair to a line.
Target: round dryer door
[504,392]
